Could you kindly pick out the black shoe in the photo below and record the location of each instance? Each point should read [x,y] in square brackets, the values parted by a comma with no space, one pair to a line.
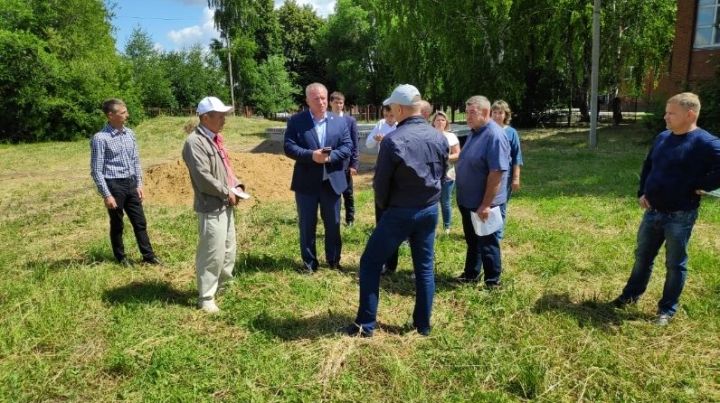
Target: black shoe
[621,302]
[493,286]
[354,330]
[462,278]
[305,270]
[125,262]
[335,266]
[154,261]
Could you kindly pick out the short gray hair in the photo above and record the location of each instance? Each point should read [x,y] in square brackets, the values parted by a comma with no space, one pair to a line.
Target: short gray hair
[687,101]
[478,100]
[425,107]
[313,86]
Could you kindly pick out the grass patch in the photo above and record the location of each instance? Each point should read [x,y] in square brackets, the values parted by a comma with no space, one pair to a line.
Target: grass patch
[76,326]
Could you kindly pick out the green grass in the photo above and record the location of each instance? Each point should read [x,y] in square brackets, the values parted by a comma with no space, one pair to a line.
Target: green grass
[76,326]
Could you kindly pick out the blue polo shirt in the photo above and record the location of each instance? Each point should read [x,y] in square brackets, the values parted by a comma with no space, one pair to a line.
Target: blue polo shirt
[411,165]
[487,149]
[677,166]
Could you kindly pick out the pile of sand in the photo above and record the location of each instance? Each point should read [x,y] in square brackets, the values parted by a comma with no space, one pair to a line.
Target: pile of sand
[266,177]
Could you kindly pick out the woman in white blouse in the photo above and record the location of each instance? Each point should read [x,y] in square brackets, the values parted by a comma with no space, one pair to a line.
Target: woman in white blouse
[441,123]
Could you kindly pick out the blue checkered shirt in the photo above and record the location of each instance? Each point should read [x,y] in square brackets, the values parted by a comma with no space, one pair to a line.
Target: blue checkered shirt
[114,155]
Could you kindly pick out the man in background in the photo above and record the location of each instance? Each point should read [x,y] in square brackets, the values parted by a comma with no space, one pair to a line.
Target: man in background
[115,169]
[683,162]
[337,104]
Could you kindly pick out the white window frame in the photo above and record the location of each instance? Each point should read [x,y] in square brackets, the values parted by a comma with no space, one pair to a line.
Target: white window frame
[715,27]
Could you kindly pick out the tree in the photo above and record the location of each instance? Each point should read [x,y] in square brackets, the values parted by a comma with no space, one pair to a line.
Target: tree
[194,75]
[57,63]
[149,76]
[274,91]
[300,30]
[350,47]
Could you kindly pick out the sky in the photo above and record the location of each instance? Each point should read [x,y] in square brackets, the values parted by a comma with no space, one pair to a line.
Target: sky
[177,24]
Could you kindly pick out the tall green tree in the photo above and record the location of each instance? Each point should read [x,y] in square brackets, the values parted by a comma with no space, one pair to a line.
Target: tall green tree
[254,31]
[149,75]
[194,75]
[300,31]
[57,63]
[274,90]
[351,47]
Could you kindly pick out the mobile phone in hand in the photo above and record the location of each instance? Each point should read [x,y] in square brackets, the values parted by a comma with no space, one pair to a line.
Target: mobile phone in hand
[326,150]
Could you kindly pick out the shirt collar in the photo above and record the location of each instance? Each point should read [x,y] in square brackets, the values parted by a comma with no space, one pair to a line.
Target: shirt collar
[207,132]
[411,119]
[113,131]
[319,122]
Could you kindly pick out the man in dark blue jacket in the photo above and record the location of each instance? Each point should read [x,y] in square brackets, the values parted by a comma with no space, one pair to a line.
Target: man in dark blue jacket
[337,104]
[410,167]
[320,144]
[683,162]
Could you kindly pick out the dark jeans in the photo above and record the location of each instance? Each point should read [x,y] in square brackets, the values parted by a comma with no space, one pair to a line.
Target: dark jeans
[126,196]
[392,262]
[348,199]
[445,202]
[674,229]
[482,252]
[396,225]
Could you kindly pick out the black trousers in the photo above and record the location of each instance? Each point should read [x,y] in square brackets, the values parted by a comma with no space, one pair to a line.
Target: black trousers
[392,262]
[348,199]
[128,201]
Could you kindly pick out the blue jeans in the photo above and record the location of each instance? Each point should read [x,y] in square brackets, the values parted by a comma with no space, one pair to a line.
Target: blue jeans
[503,210]
[482,252]
[396,225]
[445,206]
[656,227]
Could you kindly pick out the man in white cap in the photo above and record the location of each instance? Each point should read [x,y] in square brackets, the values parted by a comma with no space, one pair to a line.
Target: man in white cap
[411,165]
[215,187]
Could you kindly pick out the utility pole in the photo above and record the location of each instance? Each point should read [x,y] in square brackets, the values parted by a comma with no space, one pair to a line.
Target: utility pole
[230,73]
[594,77]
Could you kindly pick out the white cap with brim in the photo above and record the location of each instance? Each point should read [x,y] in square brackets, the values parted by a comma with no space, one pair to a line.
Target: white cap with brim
[212,104]
[404,94]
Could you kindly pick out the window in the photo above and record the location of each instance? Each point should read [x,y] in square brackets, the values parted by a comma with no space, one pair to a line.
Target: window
[707,28]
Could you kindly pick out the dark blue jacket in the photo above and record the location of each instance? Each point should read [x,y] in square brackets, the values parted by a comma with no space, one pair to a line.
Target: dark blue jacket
[411,165]
[300,142]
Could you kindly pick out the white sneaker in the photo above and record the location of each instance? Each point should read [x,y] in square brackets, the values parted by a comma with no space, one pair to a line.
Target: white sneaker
[209,306]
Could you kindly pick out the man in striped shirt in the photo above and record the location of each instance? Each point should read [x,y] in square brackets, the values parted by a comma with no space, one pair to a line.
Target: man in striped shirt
[115,168]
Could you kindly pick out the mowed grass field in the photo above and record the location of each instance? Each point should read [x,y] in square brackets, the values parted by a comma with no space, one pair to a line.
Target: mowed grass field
[76,326]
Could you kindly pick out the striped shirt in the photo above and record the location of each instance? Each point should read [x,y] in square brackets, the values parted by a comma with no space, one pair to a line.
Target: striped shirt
[114,155]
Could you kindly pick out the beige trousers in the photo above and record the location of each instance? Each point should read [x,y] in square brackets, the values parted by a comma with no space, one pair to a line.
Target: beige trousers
[216,249]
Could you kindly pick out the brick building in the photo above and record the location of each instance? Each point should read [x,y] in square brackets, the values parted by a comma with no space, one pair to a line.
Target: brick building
[695,56]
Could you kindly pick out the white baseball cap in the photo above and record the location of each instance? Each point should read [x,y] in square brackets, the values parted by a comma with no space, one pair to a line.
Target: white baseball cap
[404,94]
[212,104]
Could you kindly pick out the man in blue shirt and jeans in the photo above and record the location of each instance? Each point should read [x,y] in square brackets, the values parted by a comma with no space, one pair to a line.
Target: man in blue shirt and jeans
[481,174]
[410,167]
[683,162]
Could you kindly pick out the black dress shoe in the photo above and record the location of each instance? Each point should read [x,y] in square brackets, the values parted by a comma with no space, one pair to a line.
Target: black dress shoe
[125,262]
[305,270]
[462,278]
[493,286]
[355,330]
[621,302]
[153,261]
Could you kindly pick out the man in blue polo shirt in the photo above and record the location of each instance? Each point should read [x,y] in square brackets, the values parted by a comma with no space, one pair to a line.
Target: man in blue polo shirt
[481,172]
[410,167]
[683,162]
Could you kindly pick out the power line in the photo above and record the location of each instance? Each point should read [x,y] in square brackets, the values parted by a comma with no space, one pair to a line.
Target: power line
[154,18]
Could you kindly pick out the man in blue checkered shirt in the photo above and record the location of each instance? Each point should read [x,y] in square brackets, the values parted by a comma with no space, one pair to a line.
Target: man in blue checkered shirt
[115,168]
